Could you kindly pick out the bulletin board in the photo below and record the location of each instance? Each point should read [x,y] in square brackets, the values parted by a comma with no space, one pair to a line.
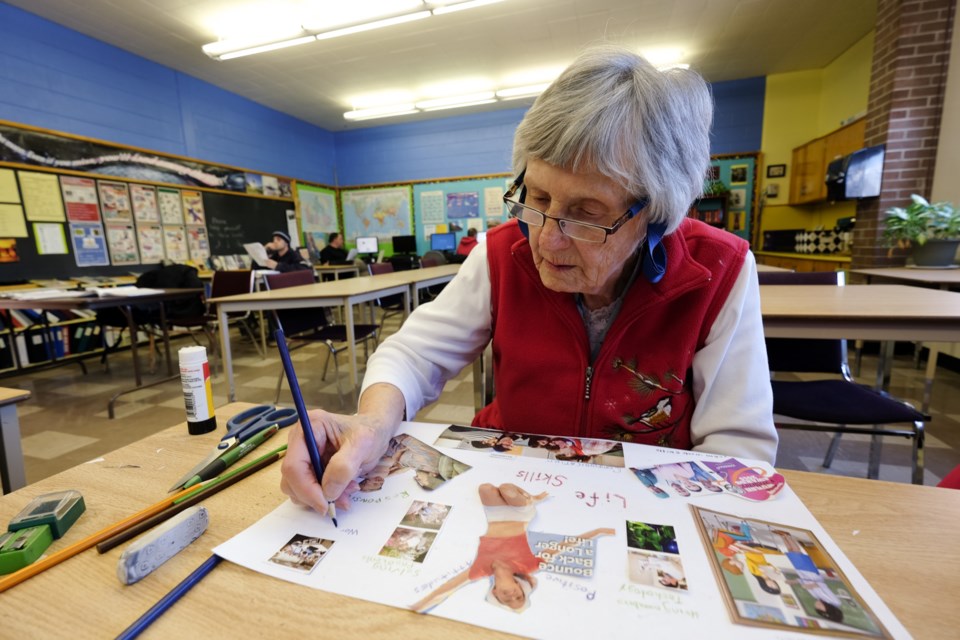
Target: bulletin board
[739,174]
[457,205]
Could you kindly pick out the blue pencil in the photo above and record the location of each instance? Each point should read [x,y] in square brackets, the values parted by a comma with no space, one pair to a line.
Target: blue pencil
[168,600]
[311,441]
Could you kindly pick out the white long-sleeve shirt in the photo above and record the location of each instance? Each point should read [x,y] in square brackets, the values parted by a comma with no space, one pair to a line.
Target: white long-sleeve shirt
[731,379]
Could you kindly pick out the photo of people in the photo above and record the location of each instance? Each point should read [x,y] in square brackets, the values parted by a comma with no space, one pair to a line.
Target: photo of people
[409,544]
[681,479]
[778,576]
[431,467]
[738,173]
[661,570]
[425,515]
[608,453]
[504,555]
[302,553]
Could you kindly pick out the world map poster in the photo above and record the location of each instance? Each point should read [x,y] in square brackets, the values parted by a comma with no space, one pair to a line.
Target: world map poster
[383,213]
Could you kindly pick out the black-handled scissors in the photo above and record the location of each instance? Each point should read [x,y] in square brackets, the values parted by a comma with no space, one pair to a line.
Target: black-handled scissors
[241,427]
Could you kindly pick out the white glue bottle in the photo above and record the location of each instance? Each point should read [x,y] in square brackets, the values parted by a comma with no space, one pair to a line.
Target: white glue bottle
[197,390]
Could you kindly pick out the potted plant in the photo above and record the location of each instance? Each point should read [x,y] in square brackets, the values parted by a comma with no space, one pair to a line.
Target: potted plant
[930,231]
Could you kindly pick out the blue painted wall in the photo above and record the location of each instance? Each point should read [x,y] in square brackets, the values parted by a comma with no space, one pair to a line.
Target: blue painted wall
[57,78]
[480,144]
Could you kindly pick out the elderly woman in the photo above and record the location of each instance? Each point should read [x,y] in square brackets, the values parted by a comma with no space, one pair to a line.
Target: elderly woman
[611,314]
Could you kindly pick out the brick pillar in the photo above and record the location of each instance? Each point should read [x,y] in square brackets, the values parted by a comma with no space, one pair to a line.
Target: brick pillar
[908,78]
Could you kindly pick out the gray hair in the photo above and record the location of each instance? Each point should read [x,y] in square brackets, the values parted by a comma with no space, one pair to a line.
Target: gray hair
[612,111]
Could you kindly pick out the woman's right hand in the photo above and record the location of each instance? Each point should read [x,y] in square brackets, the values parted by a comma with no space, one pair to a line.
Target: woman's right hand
[350,446]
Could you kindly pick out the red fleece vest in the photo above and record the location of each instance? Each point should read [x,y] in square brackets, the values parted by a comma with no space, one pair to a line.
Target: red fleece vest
[639,389]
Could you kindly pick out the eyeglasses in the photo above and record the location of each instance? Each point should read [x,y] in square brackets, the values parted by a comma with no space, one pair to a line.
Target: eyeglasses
[583,231]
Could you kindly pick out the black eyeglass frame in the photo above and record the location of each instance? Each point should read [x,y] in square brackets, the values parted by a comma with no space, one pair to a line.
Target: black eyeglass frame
[636,208]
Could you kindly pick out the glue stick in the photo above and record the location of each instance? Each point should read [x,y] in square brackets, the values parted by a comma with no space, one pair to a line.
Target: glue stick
[197,390]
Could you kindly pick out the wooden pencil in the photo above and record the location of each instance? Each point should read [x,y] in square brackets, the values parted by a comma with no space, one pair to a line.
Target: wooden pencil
[214,486]
[29,571]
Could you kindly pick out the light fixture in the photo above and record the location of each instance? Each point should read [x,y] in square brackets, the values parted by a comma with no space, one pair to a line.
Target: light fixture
[463,100]
[376,24]
[380,112]
[522,92]
[228,49]
[460,6]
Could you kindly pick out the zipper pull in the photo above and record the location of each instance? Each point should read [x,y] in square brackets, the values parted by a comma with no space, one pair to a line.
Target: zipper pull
[586,392]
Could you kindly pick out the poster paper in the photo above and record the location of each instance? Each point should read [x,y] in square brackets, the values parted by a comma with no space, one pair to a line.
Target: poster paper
[431,207]
[8,186]
[193,208]
[198,243]
[122,240]
[144,201]
[12,223]
[591,552]
[150,241]
[41,196]
[80,199]
[171,207]
[175,243]
[114,201]
[50,238]
[89,244]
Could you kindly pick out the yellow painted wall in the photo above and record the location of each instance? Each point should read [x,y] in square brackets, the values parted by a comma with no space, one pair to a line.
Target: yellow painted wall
[799,107]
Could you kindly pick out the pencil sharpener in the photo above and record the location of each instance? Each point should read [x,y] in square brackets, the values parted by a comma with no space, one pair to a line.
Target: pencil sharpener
[59,510]
[22,547]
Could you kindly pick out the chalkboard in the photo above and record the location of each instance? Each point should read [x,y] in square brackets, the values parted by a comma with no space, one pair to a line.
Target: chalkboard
[233,220]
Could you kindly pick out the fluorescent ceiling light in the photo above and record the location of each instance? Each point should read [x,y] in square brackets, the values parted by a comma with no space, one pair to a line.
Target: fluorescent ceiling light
[273,46]
[458,105]
[679,65]
[522,92]
[457,101]
[460,6]
[376,24]
[380,112]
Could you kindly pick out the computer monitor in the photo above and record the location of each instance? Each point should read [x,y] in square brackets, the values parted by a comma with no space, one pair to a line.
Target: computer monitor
[404,244]
[443,242]
[368,244]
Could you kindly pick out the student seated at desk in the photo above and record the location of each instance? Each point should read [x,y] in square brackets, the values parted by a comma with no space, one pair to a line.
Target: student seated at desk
[334,253]
[281,257]
[611,314]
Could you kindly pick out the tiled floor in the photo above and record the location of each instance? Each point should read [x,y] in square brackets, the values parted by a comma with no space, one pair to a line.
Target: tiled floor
[65,422]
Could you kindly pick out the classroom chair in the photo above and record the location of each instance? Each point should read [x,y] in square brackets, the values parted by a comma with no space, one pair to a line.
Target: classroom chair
[389,305]
[232,283]
[305,326]
[834,404]
[432,258]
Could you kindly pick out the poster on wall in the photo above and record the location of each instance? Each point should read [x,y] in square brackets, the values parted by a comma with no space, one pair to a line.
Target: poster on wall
[431,207]
[254,183]
[89,244]
[193,208]
[175,244]
[50,238]
[463,205]
[114,201]
[42,201]
[80,199]
[8,186]
[198,243]
[493,202]
[12,224]
[122,240]
[171,209]
[150,241]
[271,186]
[383,213]
[144,201]
[8,250]
[318,209]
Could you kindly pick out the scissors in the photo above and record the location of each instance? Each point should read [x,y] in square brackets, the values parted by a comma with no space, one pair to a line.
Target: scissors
[240,428]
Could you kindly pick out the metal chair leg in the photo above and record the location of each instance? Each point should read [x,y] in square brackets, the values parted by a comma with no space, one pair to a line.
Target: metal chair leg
[832,450]
[873,466]
[918,453]
[336,373]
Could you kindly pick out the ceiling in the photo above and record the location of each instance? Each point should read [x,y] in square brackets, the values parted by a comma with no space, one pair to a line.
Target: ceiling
[512,43]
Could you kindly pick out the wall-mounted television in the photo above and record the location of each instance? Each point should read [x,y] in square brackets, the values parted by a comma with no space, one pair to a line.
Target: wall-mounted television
[443,242]
[857,175]
[368,244]
[404,244]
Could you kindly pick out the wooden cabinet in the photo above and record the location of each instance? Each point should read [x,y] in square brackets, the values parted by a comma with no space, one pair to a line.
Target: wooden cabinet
[807,178]
[801,263]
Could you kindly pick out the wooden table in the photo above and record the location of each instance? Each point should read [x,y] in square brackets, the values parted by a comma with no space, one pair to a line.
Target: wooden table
[903,538]
[942,278]
[336,293]
[12,474]
[126,304]
[336,270]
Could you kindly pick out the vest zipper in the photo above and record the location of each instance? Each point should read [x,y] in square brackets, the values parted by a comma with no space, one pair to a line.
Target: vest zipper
[586,391]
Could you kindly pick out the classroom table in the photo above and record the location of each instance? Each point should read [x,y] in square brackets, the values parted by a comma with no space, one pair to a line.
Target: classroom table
[886,313]
[902,538]
[945,279]
[126,304]
[12,475]
[336,270]
[336,293]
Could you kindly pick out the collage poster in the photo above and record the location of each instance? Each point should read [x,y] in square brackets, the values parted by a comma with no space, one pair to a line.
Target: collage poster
[171,208]
[541,546]
[80,199]
[114,202]
[175,243]
[122,240]
[144,201]
[150,240]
